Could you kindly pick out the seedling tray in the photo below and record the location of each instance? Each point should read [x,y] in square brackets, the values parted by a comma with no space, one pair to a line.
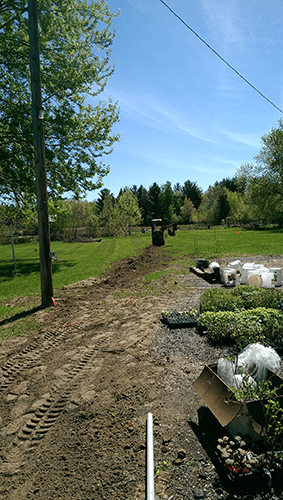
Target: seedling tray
[179,319]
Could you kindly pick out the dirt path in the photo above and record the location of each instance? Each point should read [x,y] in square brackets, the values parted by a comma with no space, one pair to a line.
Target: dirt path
[74,397]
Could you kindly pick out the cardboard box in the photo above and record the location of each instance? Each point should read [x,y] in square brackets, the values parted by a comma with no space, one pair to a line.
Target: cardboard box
[237,418]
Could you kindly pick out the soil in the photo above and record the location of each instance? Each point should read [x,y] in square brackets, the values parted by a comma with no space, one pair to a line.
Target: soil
[75,396]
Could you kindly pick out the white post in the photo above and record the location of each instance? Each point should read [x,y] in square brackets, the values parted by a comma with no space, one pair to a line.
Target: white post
[149,459]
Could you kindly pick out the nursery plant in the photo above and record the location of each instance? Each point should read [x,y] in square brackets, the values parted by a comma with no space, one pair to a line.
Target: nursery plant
[241,297]
[267,394]
[243,326]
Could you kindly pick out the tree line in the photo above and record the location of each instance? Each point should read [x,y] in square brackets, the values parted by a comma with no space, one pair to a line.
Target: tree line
[75,53]
[253,196]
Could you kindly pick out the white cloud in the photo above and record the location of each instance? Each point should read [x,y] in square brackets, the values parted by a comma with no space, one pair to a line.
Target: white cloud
[148,110]
[246,139]
[224,20]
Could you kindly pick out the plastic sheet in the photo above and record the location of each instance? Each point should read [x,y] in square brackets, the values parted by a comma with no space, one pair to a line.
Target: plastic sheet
[254,360]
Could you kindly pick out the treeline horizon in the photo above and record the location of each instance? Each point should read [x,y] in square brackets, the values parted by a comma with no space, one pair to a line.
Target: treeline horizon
[227,201]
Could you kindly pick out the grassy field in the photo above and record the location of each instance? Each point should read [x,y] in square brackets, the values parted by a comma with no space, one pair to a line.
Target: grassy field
[78,261]
[73,262]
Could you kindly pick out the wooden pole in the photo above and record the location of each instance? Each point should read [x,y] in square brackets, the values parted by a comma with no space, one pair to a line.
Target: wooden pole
[39,157]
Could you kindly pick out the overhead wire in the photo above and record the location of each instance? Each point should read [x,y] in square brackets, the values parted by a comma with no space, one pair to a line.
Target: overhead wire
[220,57]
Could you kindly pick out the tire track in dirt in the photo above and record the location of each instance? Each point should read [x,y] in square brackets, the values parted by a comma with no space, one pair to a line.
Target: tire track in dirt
[28,357]
[46,415]
[41,417]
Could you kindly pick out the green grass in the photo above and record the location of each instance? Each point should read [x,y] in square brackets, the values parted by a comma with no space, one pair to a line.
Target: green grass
[78,261]
[74,262]
[225,242]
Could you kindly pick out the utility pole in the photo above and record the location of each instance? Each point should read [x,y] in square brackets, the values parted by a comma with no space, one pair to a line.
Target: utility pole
[39,157]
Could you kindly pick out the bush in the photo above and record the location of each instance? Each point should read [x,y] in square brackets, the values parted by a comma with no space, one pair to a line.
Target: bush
[217,299]
[243,327]
[241,297]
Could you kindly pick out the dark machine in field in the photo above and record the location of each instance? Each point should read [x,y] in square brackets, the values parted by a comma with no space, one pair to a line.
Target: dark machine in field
[158,228]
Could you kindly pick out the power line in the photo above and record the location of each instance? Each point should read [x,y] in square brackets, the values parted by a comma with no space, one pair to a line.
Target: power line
[220,57]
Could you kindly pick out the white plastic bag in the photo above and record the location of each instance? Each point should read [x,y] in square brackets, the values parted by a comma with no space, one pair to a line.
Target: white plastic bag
[226,370]
[255,359]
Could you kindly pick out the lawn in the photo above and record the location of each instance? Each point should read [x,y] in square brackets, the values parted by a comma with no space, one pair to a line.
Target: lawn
[77,261]
[73,262]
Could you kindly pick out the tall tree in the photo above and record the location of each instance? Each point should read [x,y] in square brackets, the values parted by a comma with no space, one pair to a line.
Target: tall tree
[187,212]
[263,182]
[126,212]
[167,202]
[143,201]
[215,205]
[155,208]
[178,198]
[105,198]
[240,208]
[75,47]
[270,158]
[193,193]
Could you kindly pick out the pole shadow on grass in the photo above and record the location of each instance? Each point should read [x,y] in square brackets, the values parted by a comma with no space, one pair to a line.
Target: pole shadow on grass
[24,268]
[21,315]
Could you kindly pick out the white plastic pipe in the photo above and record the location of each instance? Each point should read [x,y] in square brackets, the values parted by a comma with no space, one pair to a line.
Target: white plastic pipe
[149,459]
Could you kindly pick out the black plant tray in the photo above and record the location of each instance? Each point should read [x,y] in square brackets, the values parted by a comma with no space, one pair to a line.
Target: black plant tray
[179,319]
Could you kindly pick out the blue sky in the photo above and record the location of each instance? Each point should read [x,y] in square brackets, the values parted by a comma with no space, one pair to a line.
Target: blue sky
[184,114]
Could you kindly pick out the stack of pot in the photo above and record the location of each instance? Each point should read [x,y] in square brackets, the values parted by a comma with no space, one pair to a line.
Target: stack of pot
[259,275]
[251,274]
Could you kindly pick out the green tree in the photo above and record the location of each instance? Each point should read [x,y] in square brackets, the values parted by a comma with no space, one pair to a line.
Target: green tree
[266,201]
[167,202]
[178,198]
[105,213]
[266,180]
[104,197]
[215,205]
[143,201]
[240,208]
[59,218]
[75,49]
[155,209]
[188,212]
[193,193]
[270,158]
[126,212]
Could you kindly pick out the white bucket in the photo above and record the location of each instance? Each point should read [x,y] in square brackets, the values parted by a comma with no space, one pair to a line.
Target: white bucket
[229,276]
[261,268]
[236,264]
[277,271]
[268,280]
[245,271]
[213,265]
[254,278]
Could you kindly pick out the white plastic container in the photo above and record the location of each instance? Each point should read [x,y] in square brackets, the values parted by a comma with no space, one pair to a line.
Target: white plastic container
[213,265]
[277,271]
[268,280]
[229,276]
[254,278]
[261,268]
[246,269]
[236,264]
